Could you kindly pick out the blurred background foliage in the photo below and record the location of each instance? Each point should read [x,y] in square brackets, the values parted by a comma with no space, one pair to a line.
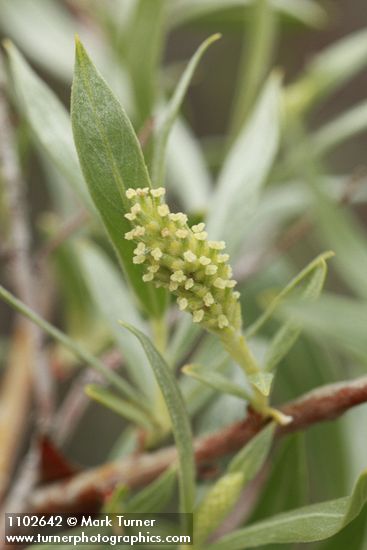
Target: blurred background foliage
[310,196]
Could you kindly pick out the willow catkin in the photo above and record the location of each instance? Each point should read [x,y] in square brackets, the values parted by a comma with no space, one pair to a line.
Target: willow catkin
[183,260]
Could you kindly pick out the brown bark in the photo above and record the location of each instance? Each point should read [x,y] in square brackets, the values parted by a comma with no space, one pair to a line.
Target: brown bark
[325,403]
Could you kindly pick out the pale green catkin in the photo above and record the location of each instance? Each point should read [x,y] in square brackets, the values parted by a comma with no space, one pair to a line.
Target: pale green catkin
[183,260]
[217,504]
[196,270]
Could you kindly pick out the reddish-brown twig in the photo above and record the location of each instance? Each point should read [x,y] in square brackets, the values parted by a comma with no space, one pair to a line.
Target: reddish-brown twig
[325,403]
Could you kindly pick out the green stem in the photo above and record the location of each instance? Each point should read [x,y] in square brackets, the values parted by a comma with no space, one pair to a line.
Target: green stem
[237,347]
[254,60]
[160,336]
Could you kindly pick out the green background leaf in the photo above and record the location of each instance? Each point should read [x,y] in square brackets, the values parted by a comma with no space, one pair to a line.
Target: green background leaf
[308,524]
[179,418]
[111,161]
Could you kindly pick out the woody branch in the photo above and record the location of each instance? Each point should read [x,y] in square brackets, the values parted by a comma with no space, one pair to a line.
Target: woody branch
[323,404]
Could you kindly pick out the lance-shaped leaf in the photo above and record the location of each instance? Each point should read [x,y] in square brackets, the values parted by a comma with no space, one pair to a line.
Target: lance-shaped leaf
[307,524]
[196,394]
[262,381]
[144,38]
[179,419]
[356,532]
[172,110]
[112,161]
[257,50]
[120,384]
[48,119]
[291,286]
[245,170]
[217,381]
[287,335]
[343,127]
[311,280]
[327,71]
[48,45]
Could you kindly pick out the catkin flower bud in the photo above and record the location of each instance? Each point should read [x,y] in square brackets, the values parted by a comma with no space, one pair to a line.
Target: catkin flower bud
[181,259]
[217,504]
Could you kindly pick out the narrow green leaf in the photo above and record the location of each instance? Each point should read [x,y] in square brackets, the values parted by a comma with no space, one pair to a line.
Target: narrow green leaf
[47,45]
[172,110]
[155,497]
[280,344]
[48,119]
[222,409]
[112,161]
[345,126]
[328,70]
[279,205]
[262,381]
[257,50]
[245,170]
[216,381]
[288,334]
[144,46]
[291,286]
[196,394]
[308,524]
[179,418]
[127,410]
[355,531]
[124,387]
